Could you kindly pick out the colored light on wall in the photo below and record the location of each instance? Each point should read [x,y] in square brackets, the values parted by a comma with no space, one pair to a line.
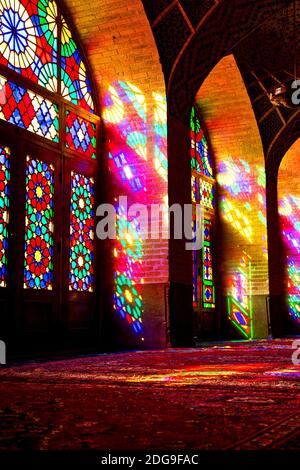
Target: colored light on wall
[128,254]
[243,206]
[39,225]
[294,288]
[29,111]
[236,218]
[81,275]
[114,111]
[289,211]
[80,135]
[240,311]
[125,107]
[28,39]
[5,157]
[127,172]
[136,97]
[160,128]
[136,129]
[243,200]
[290,222]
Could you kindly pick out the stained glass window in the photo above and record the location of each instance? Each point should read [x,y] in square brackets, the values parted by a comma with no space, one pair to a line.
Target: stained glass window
[203,193]
[28,39]
[4,211]
[207,193]
[29,45]
[80,135]
[29,110]
[200,154]
[195,197]
[207,279]
[196,277]
[81,233]
[39,225]
[75,83]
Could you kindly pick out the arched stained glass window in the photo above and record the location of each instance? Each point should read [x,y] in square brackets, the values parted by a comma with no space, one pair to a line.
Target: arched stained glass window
[75,82]
[48,101]
[203,193]
[28,39]
[200,154]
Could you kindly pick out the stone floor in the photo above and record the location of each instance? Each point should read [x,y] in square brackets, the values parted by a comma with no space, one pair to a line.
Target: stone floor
[225,396]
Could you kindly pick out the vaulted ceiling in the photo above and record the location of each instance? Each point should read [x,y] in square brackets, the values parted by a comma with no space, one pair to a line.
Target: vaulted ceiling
[191,38]
[193,35]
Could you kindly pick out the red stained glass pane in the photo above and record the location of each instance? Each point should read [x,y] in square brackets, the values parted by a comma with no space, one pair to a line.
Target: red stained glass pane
[81,233]
[28,39]
[39,225]
[80,135]
[28,110]
[75,82]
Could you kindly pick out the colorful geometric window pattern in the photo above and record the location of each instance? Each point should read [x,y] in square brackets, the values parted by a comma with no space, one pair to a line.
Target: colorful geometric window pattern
[200,155]
[207,194]
[196,274]
[28,39]
[239,299]
[29,111]
[81,273]
[80,135]
[289,210]
[195,280]
[207,276]
[195,197]
[203,191]
[39,225]
[28,45]
[4,211]
[75,83]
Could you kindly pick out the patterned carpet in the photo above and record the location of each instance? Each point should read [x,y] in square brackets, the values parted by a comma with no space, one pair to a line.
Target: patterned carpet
[240,396]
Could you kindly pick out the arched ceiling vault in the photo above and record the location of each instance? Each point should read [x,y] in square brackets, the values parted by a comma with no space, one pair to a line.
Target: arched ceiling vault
[192,36]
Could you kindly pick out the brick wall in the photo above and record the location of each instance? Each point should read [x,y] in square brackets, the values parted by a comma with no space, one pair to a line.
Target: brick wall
[239,158]
[289,210]
[125,63]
